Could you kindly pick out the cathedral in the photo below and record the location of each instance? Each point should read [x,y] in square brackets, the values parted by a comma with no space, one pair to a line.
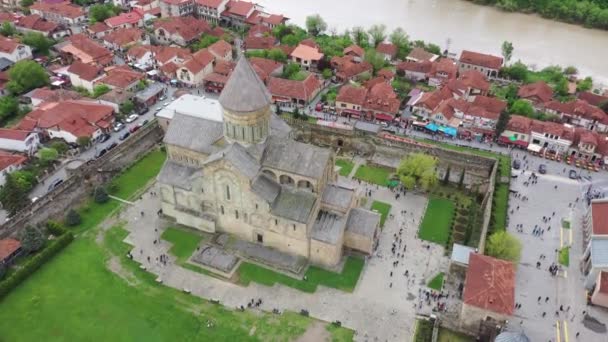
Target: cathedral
[241,173]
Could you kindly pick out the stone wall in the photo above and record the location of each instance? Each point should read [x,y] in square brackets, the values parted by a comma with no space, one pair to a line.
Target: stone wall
[80,183]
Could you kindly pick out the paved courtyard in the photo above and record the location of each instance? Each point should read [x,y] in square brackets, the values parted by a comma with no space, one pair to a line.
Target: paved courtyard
[377,309]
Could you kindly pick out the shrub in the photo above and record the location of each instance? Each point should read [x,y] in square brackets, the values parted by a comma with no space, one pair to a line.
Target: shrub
[32,239]
[72,218]
[100,195]
[55,228]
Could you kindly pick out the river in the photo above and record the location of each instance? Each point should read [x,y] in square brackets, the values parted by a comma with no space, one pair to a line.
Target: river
[538,42]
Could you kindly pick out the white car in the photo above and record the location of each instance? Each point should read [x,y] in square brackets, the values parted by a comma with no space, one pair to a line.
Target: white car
[118,126]
[131,118]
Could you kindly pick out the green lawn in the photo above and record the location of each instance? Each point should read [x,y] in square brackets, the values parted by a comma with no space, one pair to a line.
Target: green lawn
[565,224]
[437,282]
[346,166]
[437,221]
[382,208]
[564,256]
[184,242]
[424,331]
[374,175]
[446,335]
[339,334]
[345,281]
[500,206]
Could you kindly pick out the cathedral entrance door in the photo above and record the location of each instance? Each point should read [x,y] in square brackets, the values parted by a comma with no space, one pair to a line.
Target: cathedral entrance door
[260,238]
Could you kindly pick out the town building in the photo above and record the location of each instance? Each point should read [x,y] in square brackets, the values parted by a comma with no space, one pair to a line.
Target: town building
[62,13]
[194,70]
[36,24]
[589,146]
[376,102]
[550,137]
[98,30]
[442,71]
[84,75]
[179,30]
[10,162]
[350,101]
[600,293]
[579,113]
[253,43]
[19,141]
[176,8]
[346,69]
[415,71]
[306,56]
[476,84]
[593,99]
[121,78]
[123,38]
[537,93]
[82,48]
[356,52]
[486,64]
[189,105]
[211,10]
[9,250]
[419,55]
[595,240]
[517,132]
[132,19]
[291,94]
[237,12]
[14,51]
[387,50]
[259,185]
[221,50]
[45,94]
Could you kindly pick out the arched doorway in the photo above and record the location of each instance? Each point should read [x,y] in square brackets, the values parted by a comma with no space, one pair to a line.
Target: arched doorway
[287,180]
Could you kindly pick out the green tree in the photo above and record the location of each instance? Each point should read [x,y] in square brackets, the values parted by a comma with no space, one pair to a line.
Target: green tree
[290,70]
[32,239]
[522,107]
[60,146]
[7,29]
[100,89]
[9,107]
[48,155]
[375,59]
[13,194]
[315,24]
[360,37]
[83,141]
[507,51]
[377,33]
[418,168]
[204,42]
[570,70]
[26,3]
[296,113]
[38,42]
[402,41]
[277,55]
[26,75]
[502,122]
[327,74]
[518,71]
[446,177]
[100,195]
[72,218]
[505,246]
[126,107]
[585,85]
[561,87]
[101,12]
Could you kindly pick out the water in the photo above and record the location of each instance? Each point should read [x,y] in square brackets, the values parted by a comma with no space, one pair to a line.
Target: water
[538,42]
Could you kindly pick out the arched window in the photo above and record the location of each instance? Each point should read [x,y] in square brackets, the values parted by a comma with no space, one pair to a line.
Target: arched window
[287,180]
[228,192]
[270,174]
[222,209]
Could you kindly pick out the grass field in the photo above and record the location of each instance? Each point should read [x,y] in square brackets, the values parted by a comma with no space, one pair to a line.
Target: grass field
[446,335]
[437,221]
[564,256]
[345,281]
[383,208]
[346,166]
[184,242]
[500,207]
[437,282]
[374,175]
[424,331]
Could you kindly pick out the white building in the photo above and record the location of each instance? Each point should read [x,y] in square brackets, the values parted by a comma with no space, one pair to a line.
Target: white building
[19,141]
[13,50]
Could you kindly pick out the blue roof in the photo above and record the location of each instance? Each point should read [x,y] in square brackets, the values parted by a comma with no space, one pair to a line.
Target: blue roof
[460,253]
[448,130]
[432,127]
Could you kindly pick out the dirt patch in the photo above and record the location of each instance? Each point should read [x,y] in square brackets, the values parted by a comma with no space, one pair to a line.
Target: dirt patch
[316,332]
[114,265]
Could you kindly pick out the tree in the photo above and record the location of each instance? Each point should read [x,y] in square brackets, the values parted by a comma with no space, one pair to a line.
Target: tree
[101,12]
[26,75]
[47,155]
[570,70]
[83,141]
[375,59]
[585,85]
[7,29]
[60,146]
[561,87]
[204,42]
[503,245]
[13,194]
[26,3]
[327,74]
[38,42]
[418,168]
[296,113]
[100,195]
[126,107]
[100,89]
[3,269]
[502,122]
[446,177]
[401,40]
[72,218]
[290,70]
[32,239]
[377,33]
[277,55]
[9,107]
[360,37]
[507,51]
[522,107]
[315,24]
[518,71]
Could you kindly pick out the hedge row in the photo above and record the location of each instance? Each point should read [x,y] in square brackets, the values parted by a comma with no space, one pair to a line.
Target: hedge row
[33,264]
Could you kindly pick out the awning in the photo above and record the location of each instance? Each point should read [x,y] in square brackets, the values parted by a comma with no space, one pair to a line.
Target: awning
[384,117]
[419,123]
[432,127]
[534,148]
[451,131]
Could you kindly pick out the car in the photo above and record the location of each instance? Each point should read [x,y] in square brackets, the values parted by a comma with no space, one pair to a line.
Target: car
[158,109]
[100,153]
[131,118]
[112,145]
[143,123]
[124,136]
[143,110]
[165,104]
[572,174]
[162,98]
[34,199]
[55,184]
[118,126]
[542,169]
[134,128]
[516,164]
[103,138]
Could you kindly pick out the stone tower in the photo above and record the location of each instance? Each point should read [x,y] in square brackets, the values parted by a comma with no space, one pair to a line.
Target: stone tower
[246,105]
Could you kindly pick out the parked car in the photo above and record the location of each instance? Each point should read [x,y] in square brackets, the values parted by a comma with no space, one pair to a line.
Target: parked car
[118,126]
[124,136]
[131,118]
[104,138]
[143,110]
[55,184]
[542,169]
[112,145]
[516,164]
[572,174]
[134,128]
[143,123]
[319,107]
[100,153]
[162,98]
[34,199]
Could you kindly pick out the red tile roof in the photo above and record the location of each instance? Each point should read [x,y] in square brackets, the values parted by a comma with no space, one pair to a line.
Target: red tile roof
[86,72]
[54,95]
[220,48]
[351,94]
[387,49]
[63,9]
[37,23]
[267,66]
[82,47]
[166,53]
[306,52]
[224,67]
[259,30]
[488,107]
[98,27]
[519,124]
[592,99]
[538,92]
[8,45]
[310,42]
[14,134]
[346,68]
[210,3]
[599,217]
[121,77]
[422,67]
[260,43]
[421,54]
[131,18]
[577,108]
[301,90]
[584,136]
[199,61]
[490,284]
[239,8]
[481,59]
[355,50]
[382,97]
[216,78]
[444,66]
[387,74]
[8,247]
[124,36]
[189,28]
[475,79]
[603,283]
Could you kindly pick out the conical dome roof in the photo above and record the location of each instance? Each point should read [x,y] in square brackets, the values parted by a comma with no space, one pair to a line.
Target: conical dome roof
[244,92]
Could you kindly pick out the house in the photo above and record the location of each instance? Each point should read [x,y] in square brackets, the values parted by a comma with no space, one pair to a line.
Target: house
[381,103]
[265,67]
[194,70]
[595,240]
[589,146]
[253,43]
[115,97]
[489,291]
[537,93]
[84,75]
[147,6]
[600,291]
[387,50]
[9,250]
[428,102]
[131,19]
[579,113]
[414,71]
[517,132]
[122,78]
[593,99]
[81,48]
[176,8]
[14,51]
[356,52]
[237,12]
[179,30]
[482,115]
[146,57]
[290,94]
[259,30]
[210,10]
[476,83]
[69,120]
[552,137]
[346,69]
[40,95]
[308,57]
[419,55]
[150,95]
[123,38]
[37,24]
[215,81]
[19,141]
[442,71]
[62,12]
[486,64]
[271,21]
[98,30]
[221,50]
[350,101]
[10,162]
